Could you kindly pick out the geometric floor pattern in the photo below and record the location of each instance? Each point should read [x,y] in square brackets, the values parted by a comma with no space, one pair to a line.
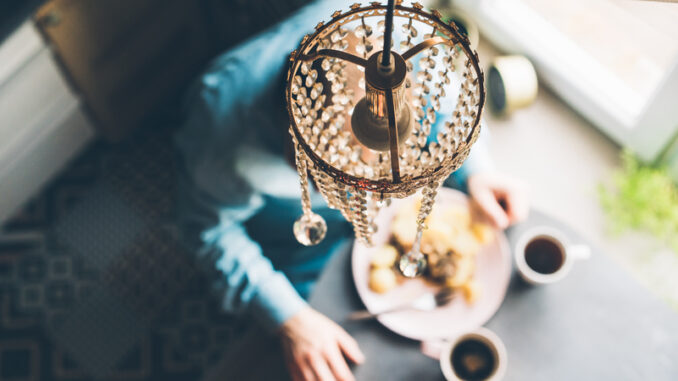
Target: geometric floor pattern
[94,284]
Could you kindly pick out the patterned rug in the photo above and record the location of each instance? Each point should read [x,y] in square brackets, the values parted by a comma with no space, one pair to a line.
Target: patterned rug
[94,284]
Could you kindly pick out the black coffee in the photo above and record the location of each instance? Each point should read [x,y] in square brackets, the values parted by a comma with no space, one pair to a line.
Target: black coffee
[544,256]
[473,360]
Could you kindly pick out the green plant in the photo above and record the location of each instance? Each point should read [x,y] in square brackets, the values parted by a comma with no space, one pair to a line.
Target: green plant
[642,197]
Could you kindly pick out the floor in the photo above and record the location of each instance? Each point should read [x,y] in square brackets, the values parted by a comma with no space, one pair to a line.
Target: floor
[94,283]
[564,159]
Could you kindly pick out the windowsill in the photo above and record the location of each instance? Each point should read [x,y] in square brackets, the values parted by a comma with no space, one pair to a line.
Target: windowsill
[42,125]
[564,158]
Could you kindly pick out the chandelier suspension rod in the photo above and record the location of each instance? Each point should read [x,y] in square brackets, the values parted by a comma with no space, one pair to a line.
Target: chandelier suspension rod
[388,31]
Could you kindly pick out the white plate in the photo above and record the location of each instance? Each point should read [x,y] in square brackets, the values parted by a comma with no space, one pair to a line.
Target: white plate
[493,272]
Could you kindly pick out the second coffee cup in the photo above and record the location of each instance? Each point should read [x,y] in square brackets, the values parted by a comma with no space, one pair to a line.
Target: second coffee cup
[544,255]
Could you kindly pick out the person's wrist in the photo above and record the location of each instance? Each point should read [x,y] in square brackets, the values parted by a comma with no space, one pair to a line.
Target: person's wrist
[275,302]
[294,322]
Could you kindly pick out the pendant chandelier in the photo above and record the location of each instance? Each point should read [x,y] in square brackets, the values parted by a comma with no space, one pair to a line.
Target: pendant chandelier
[361,119]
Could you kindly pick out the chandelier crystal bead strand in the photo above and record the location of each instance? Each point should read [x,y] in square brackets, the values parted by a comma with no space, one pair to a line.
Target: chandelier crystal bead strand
[362,119]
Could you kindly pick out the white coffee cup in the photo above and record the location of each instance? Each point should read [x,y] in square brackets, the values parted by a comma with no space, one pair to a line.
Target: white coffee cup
[442,350]
[569,253]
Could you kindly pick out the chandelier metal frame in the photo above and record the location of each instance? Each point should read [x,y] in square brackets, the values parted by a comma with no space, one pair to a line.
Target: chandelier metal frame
[308,52]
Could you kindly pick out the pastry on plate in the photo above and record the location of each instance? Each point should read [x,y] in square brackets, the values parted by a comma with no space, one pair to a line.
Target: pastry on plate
[384,257]
[451,241]
[382,280]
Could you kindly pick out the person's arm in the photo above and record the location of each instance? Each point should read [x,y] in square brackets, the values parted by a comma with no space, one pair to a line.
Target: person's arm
[214,202]
[227,103]
[243,278]
[237,94]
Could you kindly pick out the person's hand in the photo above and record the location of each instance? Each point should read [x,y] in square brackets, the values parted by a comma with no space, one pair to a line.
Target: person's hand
[503,200]
[315,346]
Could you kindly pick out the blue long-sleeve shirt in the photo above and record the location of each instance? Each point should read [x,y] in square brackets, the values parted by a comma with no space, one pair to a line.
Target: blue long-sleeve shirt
[238,195]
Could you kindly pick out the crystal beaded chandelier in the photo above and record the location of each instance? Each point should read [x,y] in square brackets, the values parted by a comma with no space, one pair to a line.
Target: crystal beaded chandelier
[361,120]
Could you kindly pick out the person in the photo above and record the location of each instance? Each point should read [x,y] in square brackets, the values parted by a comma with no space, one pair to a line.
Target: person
[239,198]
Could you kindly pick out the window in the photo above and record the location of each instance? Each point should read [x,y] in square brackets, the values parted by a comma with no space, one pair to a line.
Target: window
[615,61]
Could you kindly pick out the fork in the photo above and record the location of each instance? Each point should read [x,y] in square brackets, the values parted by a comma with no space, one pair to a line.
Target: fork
[425,302]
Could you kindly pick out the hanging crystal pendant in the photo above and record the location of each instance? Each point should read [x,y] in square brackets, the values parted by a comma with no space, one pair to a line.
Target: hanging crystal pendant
[310,229]
[413,262]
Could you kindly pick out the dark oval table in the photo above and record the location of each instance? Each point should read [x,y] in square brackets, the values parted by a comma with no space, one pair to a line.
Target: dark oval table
[596,324]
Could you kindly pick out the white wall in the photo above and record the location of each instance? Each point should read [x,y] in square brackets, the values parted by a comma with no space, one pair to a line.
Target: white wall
[42,124]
